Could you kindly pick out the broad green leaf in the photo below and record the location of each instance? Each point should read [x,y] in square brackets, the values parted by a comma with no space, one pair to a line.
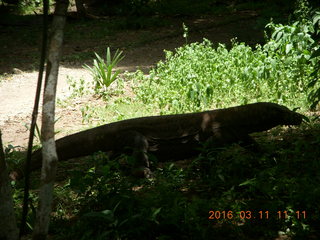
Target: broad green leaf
[289,46]
[316,19]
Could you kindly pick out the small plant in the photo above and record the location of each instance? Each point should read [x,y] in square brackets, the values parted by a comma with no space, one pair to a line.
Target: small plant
[102,70]
[78,87]
[185,32]
[87,113]
[37,134]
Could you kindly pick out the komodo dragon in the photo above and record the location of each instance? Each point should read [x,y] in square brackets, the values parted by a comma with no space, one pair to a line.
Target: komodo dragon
[172,136]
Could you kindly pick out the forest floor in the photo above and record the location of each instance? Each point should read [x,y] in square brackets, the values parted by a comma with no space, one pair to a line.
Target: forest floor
[143,48]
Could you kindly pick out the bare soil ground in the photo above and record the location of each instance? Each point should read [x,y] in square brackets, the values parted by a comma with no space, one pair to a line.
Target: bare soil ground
[142,48]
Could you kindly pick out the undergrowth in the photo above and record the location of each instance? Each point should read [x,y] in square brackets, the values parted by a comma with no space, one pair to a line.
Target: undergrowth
[200,76]
[268,195]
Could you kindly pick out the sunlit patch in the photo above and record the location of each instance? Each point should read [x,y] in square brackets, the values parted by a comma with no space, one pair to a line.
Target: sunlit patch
[205,121]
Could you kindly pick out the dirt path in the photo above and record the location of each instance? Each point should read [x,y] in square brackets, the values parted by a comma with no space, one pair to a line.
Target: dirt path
[17,93]
[17,99]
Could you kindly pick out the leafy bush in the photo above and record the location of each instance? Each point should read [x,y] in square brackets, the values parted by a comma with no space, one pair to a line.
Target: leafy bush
[198,76]
[314,96]
[299,44]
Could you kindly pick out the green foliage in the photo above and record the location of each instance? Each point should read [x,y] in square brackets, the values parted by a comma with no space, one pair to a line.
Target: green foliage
[13,156]
[78,87]
[29,6]
[299,44]
[102,70]
[198,76]
[314,96]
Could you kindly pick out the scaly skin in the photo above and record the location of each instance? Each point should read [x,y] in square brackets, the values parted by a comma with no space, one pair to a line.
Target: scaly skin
[172,136]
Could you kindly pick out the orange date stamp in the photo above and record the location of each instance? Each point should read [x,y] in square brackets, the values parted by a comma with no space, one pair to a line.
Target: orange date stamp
[218,215]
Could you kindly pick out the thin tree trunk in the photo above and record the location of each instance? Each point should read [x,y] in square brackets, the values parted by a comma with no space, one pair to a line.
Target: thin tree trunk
[8,229]
[49,154]
[34,118]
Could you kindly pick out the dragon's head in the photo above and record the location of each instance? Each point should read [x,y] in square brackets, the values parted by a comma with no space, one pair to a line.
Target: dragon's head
[294,118]
[286,116]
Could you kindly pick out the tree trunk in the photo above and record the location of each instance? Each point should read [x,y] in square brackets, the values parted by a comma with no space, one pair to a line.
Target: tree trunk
[8,230]
[49,154]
